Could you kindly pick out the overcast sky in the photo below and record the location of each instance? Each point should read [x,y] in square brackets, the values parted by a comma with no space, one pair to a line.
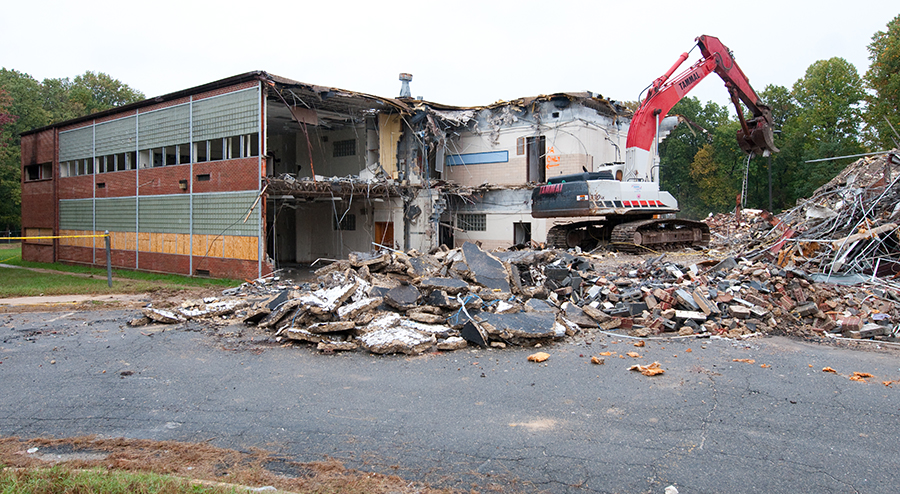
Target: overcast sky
[459,52]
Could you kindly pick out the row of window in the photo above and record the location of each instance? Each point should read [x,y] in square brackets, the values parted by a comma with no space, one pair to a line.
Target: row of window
[242,146]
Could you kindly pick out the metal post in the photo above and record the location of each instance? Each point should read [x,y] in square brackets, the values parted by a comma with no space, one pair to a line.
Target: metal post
[770,183]
[108,260]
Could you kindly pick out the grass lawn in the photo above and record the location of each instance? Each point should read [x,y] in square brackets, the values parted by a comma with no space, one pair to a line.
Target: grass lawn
[97,480]
[86,280]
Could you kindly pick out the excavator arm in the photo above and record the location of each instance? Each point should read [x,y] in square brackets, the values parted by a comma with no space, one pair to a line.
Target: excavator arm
[755,135]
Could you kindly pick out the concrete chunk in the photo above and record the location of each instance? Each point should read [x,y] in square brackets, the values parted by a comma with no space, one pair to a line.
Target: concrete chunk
[350,311]
[403,297]
[451,286]
[528,325]
[397,340]
[162,315]
[739,311]
[452,343]
[330,327]
[486,269]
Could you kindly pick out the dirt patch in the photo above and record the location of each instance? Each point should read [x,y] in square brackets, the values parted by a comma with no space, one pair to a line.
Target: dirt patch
[201,461]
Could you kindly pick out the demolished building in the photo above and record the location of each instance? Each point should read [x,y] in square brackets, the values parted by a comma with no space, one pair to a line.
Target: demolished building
[242,176]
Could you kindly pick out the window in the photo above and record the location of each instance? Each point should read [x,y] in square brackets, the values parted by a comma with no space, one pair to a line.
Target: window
[171,155]
[201,151]
[184,154]
[344,148]
[216,149]
[203,177]
[348,224]
[471,222]
[520,146]
[38,172]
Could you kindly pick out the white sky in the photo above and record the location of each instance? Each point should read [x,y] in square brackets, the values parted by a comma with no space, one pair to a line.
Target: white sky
[459,52]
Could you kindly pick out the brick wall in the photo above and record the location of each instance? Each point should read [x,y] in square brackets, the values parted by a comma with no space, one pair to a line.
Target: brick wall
[511,173]
[38,148]
[79,187]
[117,184]
[227,176]
[569,163]
[38,204]
[37,253]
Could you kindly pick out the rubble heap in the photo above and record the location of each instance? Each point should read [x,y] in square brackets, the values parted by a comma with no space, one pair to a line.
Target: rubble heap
[395,302]
[848,227]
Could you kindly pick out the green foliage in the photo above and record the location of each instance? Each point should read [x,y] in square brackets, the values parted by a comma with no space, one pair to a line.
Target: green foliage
[27,104]
[883,77]
[828,124]
[677,151]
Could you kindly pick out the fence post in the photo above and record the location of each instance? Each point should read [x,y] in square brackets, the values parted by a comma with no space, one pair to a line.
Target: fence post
[108,261]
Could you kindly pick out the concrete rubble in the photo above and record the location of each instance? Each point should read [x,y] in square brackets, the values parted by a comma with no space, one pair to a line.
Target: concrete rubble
[770,281]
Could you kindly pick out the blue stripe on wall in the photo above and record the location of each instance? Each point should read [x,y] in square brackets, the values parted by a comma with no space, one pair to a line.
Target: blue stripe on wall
[477,158]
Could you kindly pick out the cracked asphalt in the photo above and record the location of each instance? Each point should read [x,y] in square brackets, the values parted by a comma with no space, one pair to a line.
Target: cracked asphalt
[477,419]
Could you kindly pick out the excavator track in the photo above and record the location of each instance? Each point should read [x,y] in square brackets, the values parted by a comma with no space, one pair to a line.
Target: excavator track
[659,234]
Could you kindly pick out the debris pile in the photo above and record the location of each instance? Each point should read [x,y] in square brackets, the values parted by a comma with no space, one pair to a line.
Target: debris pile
[409,302]
[849,227]
[395,302]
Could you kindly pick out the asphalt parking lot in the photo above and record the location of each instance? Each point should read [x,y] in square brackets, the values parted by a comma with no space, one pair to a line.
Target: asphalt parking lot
[474,418]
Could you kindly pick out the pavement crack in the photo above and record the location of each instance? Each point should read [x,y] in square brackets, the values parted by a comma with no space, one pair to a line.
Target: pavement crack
[704,424]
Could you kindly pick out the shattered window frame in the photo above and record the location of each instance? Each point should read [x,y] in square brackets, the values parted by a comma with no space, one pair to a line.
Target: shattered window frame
[471,222]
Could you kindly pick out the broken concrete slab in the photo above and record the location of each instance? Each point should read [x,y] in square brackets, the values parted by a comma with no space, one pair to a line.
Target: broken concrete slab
[403,297]
[439,298]
[397,339]
[528,325]
[337,346]
[425,317]
[452,343]
[162,315]
[578,316]
[330,327]
[279,313]
[439,330]
[487,270]
[538,305]
[450,286]
[351,310]
[474,333]
[217,308]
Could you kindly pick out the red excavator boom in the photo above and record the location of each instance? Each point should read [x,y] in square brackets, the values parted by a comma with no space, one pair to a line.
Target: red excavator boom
[755,135]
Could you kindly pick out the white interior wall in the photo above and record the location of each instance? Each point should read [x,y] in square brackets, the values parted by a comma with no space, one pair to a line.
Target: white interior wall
[322,142]
[316,237]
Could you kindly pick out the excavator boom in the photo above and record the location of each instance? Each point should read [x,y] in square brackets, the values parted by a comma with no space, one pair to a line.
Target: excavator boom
[623,205]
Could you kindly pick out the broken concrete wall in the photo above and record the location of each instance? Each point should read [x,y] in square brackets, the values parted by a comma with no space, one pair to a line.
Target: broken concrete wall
[492,150]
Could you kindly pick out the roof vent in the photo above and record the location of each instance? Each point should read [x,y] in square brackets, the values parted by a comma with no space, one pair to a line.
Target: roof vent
[404,89]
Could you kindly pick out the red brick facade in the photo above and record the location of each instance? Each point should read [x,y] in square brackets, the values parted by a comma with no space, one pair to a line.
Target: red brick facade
[40,198]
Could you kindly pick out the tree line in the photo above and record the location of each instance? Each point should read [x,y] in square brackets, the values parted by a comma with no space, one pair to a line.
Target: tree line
[830,112]
[26,104]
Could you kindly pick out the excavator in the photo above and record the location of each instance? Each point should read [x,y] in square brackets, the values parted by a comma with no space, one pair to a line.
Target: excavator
[620,203]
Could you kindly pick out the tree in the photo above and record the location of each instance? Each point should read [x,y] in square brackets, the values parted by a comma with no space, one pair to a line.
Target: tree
[829,119]
[27,104]
[677,151]
[98,91]
[883,77]
[785,113]
[9,154]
